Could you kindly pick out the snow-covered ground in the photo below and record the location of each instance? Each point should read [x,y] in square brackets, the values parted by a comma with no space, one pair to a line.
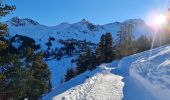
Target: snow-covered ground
[154,73]
[151,70]
[100,84]
[143,76]
[59,68]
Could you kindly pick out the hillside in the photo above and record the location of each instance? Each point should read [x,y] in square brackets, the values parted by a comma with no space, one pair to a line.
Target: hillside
[83,30]
[146,74]
[77,35]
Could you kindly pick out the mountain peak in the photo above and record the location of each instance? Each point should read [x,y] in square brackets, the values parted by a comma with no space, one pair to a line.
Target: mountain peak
[84,21]
[17,21]
[87,24]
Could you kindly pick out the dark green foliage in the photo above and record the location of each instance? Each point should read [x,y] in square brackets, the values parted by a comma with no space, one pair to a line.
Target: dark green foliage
[5,61]
[39,81]
[90,59]
[29,78]
[22,74]
[49,44]
[26,42]
[4,10]
[11,76]
[86,61]
[104,54]
[9,50]
[105,51]
[143,43]
[69,49]
[69,75]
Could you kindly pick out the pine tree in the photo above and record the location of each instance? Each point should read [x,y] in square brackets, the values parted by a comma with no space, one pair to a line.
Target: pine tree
[109,53]
[38,80]
[100,51]
[86,61]
[105,51]
[29,78]
[11,76]
[22,75]
[91,59]
[4,10]
[6,70]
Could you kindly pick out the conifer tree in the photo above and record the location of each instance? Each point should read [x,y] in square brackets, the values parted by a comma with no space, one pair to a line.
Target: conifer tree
[10,76]
[4,10]
[39,83]
[105,51]
[86,61]
[100,50]
[22,75]
[29,78]
[6,70]
[109,53]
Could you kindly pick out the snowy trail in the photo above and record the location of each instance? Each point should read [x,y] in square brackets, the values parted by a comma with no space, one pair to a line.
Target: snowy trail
[102,86]
[135,77]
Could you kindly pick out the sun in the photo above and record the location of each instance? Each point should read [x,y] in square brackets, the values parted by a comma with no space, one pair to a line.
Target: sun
[159,19]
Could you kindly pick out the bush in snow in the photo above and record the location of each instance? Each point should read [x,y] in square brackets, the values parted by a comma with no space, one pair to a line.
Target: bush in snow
[69,75]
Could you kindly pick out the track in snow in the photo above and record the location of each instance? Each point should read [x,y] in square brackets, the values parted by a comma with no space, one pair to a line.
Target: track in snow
[102,86]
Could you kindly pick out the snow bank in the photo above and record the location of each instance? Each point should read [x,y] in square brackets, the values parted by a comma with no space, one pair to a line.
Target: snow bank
[153,72]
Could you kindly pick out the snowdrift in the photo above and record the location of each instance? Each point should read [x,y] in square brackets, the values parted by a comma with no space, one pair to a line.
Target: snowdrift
[151,69]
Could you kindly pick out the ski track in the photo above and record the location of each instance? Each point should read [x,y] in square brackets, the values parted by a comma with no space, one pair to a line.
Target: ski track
[102,86]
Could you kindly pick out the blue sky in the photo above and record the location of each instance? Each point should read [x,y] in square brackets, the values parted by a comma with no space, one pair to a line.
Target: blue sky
[53,12]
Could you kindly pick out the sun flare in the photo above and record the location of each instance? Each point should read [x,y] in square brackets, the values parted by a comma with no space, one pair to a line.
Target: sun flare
[159,19]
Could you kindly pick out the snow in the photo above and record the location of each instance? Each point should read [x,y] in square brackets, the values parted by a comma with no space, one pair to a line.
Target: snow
[152,73]
[136,77]
[59,68]
[100,84]
[81,30]
[146,76]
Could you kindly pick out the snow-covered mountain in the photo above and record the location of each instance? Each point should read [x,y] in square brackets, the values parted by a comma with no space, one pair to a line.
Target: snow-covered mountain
[80,33]
[146,76]
[83,30]
[142,76]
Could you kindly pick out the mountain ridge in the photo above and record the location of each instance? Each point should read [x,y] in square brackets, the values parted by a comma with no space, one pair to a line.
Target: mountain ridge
[135,20]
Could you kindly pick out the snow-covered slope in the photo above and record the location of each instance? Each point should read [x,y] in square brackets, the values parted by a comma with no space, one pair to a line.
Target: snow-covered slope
[146,74]
[82,30]
[100,84]
[59,68]
[151,72]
